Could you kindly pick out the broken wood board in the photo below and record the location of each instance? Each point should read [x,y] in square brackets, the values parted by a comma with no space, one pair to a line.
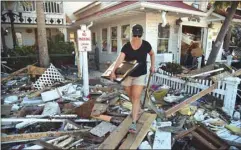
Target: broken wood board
[198,71]
[98,109]
[33,70]
[144,130]
[102,129]
[203,138]
[143,125]
[220,77]
[46,145]
[57,93]
[203,73]
[14,74]
[105,97]
[35,136]
[114,139]
[195,97]
[85,110]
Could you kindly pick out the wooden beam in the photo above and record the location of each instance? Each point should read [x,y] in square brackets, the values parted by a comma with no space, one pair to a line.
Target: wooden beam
[195,97]
[46,145]
[144,130]
[14,74]
[35,136]
[131,137]
[143,125]
[116,136]
[203,141]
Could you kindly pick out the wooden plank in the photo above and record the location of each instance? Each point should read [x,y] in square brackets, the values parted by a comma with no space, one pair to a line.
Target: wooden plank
[203,141]
[46,145]
[14,74]
[220,76]
[34,136]
[195,97]
[144,130]
[117,135]
[131,137]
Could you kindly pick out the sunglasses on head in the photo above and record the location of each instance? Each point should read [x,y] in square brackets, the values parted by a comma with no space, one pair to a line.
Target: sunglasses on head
[137,36]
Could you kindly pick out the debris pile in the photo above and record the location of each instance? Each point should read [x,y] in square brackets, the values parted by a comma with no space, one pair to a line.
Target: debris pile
[56,115]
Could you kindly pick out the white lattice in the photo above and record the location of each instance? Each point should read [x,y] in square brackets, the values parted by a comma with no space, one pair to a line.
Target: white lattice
[50,76]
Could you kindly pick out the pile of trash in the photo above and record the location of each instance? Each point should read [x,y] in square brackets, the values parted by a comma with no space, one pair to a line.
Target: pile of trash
[45,108]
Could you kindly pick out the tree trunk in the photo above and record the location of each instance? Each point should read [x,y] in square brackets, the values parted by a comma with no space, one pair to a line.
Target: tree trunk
[227,39]
[42,38]
[217,44]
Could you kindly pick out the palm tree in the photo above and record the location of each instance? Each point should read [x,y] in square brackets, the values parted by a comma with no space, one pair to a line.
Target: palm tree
[225,27]
[42,38]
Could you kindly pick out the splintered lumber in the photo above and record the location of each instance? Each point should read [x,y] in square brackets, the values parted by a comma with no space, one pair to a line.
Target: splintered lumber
[14,74]
[98,109]
[204,73]
[115,138]
[33,70]
[195,97]
[237,73]
[46,145]
[143,126]
[35,136]
[220,76]
[75,143]
[65,142]
[117,135]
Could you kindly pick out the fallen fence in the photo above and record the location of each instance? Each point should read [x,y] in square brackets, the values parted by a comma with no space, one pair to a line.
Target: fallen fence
[226,90]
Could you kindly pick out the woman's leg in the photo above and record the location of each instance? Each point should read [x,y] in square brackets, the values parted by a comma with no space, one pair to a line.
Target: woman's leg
[128,91]
[136,91]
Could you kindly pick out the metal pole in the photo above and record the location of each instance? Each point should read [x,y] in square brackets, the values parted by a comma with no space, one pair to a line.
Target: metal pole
[147,89]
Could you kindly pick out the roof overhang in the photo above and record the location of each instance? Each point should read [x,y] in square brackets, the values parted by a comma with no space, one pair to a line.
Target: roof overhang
[94,3]
[172,9]
[221,18]
[138,5]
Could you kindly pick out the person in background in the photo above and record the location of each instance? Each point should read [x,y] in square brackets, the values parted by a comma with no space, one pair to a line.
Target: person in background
[137,50]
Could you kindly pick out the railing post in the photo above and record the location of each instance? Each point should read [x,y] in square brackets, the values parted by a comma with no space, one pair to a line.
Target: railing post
[229,60]
[199,59]
[230,94]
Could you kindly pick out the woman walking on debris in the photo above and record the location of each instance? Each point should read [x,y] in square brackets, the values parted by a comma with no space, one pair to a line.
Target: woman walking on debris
[137,49]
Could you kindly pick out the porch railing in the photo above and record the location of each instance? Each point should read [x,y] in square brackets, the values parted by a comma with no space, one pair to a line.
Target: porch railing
[49,7]
[226,90]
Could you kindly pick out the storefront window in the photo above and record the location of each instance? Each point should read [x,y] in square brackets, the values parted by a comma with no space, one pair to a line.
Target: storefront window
[113,39]
[19,38]
[104,40]
[163,38]
[125,34]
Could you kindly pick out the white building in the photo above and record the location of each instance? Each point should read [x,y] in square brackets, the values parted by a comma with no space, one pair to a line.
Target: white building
[57,22]
[113,22]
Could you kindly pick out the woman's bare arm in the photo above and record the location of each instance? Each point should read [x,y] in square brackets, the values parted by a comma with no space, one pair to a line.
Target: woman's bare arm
[152,55]
[119,60]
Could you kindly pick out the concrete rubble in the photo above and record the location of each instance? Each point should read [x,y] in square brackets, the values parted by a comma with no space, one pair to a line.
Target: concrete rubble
[58,116]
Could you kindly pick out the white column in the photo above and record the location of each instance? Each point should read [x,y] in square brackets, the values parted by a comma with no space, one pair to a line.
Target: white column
[230,94]
[85,73]
[199,59]
[229,60]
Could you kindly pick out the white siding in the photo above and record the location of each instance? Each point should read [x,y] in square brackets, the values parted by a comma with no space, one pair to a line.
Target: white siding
[28,38]
[111,56]
[152,21]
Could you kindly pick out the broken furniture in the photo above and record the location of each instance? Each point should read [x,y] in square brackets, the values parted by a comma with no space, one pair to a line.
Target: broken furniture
[202,138]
